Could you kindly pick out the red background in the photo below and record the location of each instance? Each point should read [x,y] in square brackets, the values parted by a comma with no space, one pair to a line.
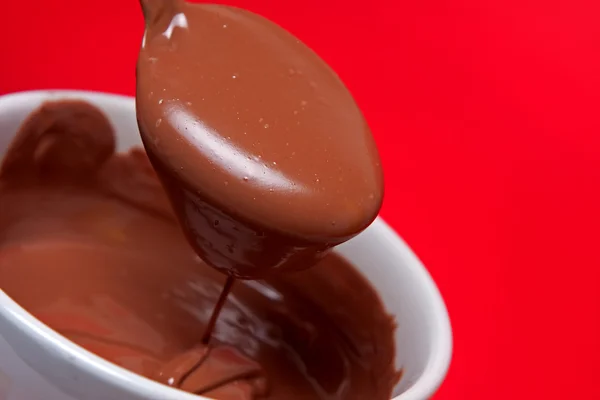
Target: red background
[487,116]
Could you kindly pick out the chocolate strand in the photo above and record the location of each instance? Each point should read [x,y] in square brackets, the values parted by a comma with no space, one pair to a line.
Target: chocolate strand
[217,310]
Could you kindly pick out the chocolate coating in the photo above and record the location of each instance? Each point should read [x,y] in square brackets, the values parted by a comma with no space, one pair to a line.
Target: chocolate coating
[102,260]
[264,153]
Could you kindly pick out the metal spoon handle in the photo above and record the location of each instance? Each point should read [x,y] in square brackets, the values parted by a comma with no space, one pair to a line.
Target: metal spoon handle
[154,10]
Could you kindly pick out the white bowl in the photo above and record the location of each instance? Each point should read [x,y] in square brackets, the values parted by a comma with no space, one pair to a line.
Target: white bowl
[38,363]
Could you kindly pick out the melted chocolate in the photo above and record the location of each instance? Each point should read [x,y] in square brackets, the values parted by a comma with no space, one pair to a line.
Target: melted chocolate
[89,245]
[265,156]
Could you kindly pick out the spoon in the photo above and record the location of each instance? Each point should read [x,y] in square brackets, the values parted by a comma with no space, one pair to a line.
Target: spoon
[263,152]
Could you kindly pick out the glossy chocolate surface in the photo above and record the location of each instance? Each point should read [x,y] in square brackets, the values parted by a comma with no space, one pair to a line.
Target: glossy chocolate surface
[89,244]
[264,153]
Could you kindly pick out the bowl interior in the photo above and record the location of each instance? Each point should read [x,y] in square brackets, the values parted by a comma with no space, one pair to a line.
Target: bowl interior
[423,338]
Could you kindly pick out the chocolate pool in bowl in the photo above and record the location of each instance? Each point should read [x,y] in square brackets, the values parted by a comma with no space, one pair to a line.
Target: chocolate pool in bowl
[422,339]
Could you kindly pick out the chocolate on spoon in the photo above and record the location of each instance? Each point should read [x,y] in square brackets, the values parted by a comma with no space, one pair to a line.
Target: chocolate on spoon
[265,156]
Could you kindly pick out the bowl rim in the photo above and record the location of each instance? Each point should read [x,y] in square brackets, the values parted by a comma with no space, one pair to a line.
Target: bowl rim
[58,346]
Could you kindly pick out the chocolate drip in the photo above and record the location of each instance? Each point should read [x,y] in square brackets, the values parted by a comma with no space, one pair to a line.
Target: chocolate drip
[217,310]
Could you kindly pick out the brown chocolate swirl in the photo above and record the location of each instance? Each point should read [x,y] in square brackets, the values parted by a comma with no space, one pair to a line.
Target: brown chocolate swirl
[100,258]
